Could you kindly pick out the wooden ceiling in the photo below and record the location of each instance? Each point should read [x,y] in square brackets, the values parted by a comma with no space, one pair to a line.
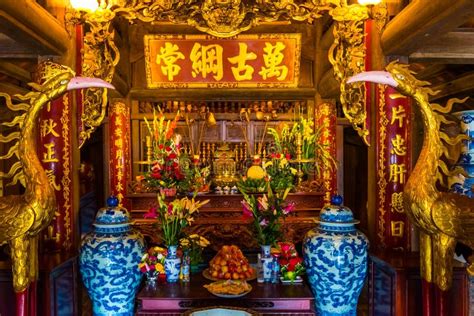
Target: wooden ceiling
[435,36]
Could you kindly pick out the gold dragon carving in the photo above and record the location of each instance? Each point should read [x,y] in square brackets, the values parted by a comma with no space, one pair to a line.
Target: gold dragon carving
[224,18]
[23,217]
[443,218]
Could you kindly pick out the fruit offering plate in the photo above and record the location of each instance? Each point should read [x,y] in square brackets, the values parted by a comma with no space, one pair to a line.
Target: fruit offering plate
[207,275]
[229,288]
[298,279]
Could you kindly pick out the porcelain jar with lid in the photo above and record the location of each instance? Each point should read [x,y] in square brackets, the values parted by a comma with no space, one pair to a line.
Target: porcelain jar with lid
[335,255]
[108,261]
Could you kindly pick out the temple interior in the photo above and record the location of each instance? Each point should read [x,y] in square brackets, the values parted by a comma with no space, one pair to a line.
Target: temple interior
[307,157]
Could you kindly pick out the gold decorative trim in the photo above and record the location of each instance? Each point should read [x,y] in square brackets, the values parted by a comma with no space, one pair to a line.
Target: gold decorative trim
[223,18]
[381,172]
[66,179]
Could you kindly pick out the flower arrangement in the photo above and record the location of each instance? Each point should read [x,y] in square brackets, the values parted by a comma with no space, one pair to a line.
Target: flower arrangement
[291,264]
[194,245]
[175,216]
[266,212]
[279,172]
[170,167]
[285,141]
[153,261]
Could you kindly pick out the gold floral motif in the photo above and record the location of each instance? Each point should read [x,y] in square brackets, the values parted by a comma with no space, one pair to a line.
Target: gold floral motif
[382,183]
[224,18]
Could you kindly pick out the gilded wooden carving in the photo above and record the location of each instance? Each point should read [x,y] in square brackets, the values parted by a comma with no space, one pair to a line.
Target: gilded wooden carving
[443,218]
[226,18]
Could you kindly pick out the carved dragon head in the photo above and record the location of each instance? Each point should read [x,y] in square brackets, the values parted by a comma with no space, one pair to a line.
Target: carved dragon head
[63,79]
[401,78]
[397,76]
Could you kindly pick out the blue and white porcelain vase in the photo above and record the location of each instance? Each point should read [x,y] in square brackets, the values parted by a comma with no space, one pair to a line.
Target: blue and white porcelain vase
[172,264]
[465,185]
[335,255]
[108,261]
[267,263]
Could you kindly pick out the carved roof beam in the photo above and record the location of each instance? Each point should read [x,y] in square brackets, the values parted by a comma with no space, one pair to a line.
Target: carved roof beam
[422,21]
[14,71]
[30,24]
[461,85]
[451,48]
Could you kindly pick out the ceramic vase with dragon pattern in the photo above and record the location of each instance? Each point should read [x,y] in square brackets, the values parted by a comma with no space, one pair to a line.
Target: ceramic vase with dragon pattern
[465,185]
[108,260]
[335,255]
[172,265]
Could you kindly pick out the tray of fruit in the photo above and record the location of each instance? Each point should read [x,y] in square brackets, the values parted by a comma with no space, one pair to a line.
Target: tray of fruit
[229,264]
[229,288]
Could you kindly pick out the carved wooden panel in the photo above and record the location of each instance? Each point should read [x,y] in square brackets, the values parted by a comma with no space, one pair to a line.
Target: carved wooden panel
[221,219]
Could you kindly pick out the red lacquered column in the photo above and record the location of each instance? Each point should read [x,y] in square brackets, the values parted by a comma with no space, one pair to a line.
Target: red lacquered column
[326,118]
[119,137]
[55,153]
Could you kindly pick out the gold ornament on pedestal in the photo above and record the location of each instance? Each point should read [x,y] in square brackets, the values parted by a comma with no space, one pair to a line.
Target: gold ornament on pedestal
[443,218]
[23,217]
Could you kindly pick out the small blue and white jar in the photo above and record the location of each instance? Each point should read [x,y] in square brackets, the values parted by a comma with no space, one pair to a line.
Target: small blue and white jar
[461,184]
[108,261]
[267,263]
[172,264]
[335,255]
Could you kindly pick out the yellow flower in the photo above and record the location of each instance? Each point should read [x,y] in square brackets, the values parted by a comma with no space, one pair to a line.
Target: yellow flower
[293,171]
[267,164]
[283,163]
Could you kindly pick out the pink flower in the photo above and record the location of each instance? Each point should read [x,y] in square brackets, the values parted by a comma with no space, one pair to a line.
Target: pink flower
[170,209]
[246,210]
[289,208]
[151,213]
[264,222]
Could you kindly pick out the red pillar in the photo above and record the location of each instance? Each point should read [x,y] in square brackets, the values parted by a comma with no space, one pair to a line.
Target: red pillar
[326,118]
[394,150]
[119,137]
[55,153]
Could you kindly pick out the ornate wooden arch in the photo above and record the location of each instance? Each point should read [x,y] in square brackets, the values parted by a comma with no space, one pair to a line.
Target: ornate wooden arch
[224,18]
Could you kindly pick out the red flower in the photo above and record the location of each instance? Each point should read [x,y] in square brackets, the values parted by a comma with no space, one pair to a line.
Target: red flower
[172,156]
[278,156]
[288,156]
[168,148]
[293,262]
[156,175]
[160,146]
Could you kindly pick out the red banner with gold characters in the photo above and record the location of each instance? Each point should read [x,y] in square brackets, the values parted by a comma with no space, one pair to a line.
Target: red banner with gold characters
[182,61]
[326,117]
[119,135]
[55,153]
[394,150]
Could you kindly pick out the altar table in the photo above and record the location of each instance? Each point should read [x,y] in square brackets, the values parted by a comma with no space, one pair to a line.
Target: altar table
[265,298]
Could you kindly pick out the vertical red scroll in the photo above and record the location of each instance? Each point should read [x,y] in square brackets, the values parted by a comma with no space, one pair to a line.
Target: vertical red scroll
[393,134]
[55,154]
[326,118]
[119,135]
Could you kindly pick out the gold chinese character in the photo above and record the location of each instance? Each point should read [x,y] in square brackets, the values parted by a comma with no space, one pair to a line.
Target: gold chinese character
[272,58]
[52,179]
[397,228]
[119,143]
[397,202]
[398,113]
[240,60]
[47,127]
[399,147]
[397,173]
[207,60]
[169,54]
[48,156]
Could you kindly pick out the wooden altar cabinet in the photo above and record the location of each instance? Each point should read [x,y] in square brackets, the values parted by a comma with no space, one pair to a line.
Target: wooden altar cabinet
[221,219]
[265,298]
